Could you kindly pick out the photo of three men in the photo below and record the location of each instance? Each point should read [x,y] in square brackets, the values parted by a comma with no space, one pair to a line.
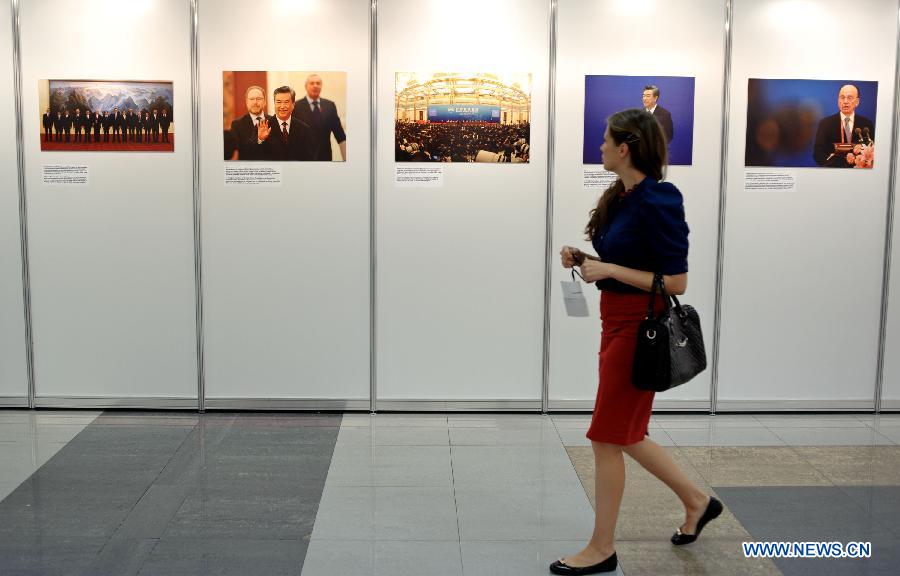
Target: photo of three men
[284,116]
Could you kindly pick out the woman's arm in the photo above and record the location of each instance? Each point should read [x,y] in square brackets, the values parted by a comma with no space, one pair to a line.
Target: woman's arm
[593,271]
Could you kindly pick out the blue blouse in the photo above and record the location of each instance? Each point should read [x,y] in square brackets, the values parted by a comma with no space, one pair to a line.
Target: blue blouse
[645,230]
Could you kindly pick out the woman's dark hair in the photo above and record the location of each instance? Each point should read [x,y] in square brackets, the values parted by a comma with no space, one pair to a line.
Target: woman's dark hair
[643,135]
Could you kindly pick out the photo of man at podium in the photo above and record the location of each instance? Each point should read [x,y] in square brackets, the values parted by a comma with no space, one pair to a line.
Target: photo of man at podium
[845,139]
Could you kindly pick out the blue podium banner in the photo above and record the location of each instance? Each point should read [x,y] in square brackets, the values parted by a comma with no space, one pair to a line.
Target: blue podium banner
[463,113]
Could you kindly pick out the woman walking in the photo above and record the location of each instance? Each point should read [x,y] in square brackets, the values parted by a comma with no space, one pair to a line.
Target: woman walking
[638,230]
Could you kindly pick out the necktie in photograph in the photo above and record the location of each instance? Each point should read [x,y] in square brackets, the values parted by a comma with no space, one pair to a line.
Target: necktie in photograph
[317,113]
[284,133]
[847,132]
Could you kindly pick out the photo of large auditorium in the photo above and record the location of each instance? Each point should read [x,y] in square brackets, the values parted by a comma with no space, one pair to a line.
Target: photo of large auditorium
[462,117]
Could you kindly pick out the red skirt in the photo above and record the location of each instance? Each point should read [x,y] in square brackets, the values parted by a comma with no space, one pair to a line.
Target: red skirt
[622,412]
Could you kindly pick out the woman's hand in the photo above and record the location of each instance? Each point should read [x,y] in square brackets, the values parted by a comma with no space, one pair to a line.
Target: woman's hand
[571,256]
[594,270]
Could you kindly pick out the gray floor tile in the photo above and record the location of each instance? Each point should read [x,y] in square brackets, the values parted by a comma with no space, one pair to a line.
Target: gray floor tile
[546,467]
[152,513]
[881,503]
[504,436]
[814,514]
[246,514]
[391,466]
[346,513]
[120,557]
[711,422]
[503,422]
[724,437]
[227,557]
[419,558]
[805,421]
[390,436]
[481,558]
[891,433]
[44,555]
[386,513]
[355,557]
[415,514]
[573,437]
[831,436]
[500,514]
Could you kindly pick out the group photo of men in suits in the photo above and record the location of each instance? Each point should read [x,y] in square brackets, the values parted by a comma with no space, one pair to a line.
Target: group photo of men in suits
[85,129]
[106,115]
[280,126]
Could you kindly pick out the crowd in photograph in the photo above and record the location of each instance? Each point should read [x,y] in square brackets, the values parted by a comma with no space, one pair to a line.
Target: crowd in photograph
[461,142]
[86,126]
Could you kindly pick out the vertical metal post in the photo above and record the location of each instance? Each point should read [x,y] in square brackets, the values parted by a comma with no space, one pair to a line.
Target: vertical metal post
[723,186]
[548,241]
[198,238]
[888,230]
[373,124]
[23,204]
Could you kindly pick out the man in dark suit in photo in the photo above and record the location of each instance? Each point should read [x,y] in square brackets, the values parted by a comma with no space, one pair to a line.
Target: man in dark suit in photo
[322,116]
[67,124]
[116,123]
[107,124]
[58,125]
[164,123]
[845,127]
[284,136]
[131,122]
[78,124]
[244,130]
[154,125]
[98,126]
[47,121]
[650,97]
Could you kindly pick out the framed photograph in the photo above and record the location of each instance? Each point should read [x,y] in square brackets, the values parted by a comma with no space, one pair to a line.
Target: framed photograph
[811,123]
[297,116]
[106,116]
[462,117]
[669,98]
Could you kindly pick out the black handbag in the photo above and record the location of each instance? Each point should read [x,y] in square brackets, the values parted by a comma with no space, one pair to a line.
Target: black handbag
[670,347]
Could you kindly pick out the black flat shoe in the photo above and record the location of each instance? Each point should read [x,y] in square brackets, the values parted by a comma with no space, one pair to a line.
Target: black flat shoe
[608,565]
[713,509]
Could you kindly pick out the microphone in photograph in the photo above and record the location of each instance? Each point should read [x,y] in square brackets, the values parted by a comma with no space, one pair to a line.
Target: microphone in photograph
[868,135]
[859,136]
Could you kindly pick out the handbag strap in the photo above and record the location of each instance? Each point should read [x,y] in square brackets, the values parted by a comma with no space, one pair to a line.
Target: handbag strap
[657,281]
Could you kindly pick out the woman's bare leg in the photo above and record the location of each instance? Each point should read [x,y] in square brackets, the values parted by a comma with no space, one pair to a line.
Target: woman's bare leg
[609,484]
[658,462]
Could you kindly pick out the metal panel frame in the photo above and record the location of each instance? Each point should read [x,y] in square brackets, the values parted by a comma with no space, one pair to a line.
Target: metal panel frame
[23,203]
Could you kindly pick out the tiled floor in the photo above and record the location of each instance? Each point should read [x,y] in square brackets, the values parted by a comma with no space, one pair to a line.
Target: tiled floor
[159,493]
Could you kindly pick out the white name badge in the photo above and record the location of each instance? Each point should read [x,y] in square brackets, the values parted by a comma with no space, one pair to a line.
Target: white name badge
[576,305]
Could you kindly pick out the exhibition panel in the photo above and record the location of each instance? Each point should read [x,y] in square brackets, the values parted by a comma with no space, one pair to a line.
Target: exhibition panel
[890,387]
[285,222]
[13,354]
[804,238]
[110,203]
[461,203]
[680,52]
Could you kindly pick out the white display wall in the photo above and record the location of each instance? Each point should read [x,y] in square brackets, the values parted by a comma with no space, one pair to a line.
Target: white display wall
[286,268]
[112,267]
[803,269]
[460,267]
[13,371]
[460,281]
[676,39]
